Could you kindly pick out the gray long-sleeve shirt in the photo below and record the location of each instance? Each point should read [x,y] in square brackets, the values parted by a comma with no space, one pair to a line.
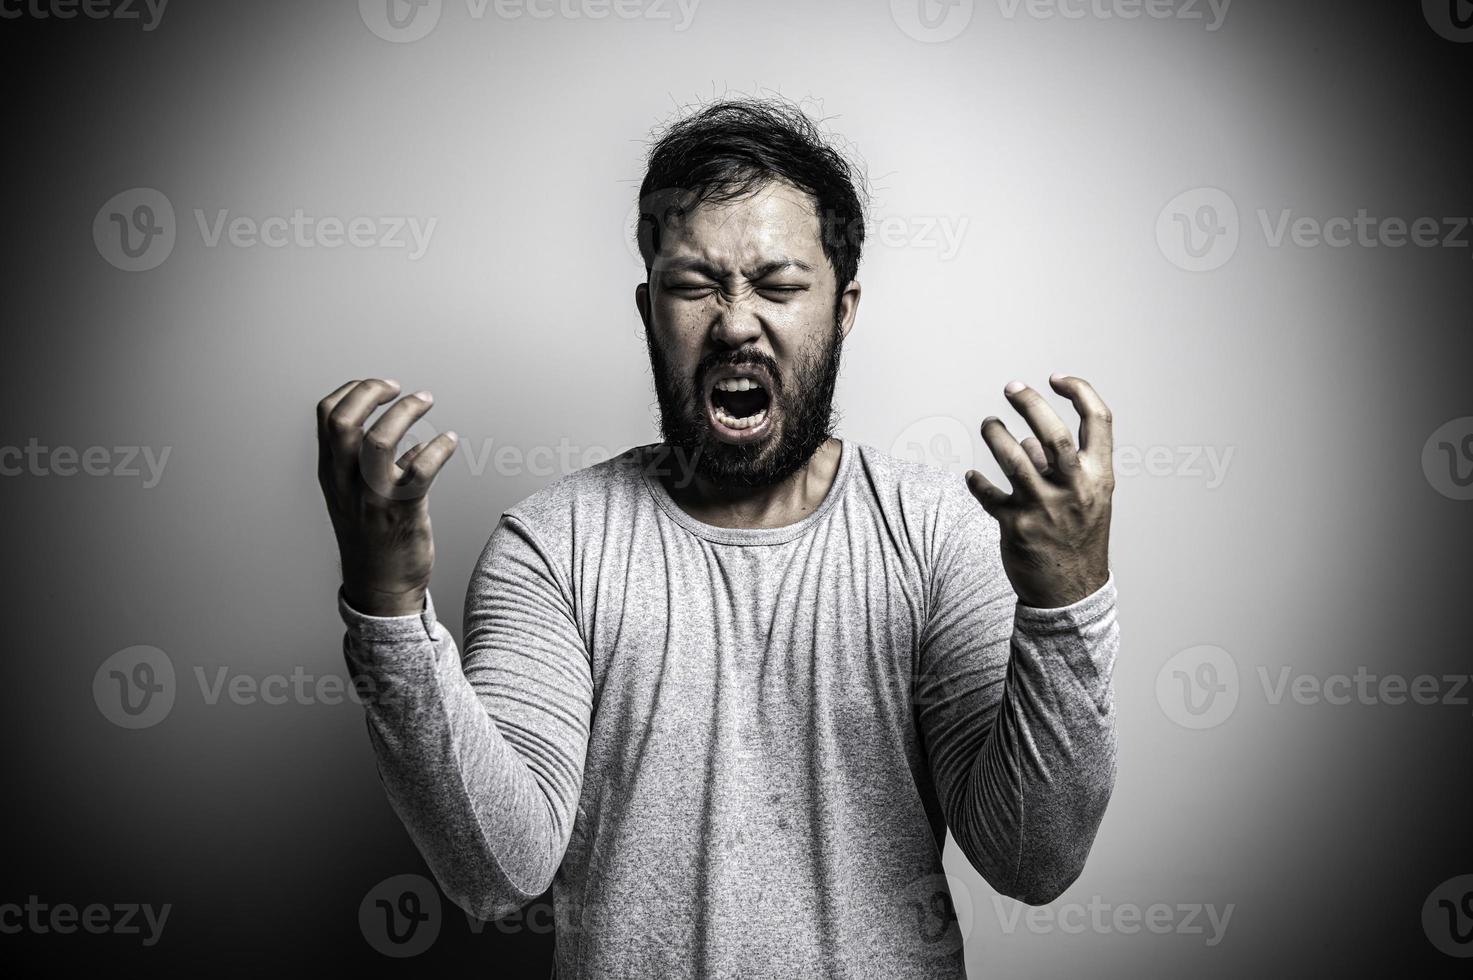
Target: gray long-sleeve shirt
[736,752]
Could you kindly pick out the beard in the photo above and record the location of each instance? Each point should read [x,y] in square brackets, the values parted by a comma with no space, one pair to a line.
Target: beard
[802,403]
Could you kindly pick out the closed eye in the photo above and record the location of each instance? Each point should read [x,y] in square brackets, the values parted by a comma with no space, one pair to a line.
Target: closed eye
[692,291]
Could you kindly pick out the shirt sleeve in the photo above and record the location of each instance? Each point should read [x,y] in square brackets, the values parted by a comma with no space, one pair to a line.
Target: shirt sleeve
[1017,713]
[482,755]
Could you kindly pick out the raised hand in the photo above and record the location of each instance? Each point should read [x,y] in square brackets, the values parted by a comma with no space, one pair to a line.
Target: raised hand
[1056,522]
[379,509]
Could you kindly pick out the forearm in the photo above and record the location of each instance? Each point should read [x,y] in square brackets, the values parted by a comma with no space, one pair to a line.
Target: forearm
[470,801]
[1027,812]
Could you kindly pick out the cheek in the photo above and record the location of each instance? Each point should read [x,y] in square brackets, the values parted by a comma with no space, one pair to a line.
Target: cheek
[681,319]
[799,327]
[680,344]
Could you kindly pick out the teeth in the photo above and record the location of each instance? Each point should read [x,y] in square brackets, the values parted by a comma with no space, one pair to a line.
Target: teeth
[731,422]
[736,384]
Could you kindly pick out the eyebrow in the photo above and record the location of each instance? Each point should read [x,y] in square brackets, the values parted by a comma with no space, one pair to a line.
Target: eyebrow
[711,272]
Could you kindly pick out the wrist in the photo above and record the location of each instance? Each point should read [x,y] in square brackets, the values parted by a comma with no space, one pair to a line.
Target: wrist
[1066,594]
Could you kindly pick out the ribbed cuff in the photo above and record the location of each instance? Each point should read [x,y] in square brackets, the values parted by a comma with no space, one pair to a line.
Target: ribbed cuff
[1074,617]
[410,628]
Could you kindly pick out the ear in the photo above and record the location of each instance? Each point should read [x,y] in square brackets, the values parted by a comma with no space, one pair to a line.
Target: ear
[848,307]
[642,302]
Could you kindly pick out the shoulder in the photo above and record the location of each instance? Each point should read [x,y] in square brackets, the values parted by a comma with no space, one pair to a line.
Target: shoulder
[593,498]
[928,497]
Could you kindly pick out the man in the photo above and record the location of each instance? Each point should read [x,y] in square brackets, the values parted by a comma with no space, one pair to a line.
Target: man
[726,694]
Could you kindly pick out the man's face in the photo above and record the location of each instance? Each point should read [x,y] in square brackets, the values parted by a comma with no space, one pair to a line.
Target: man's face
[744,335]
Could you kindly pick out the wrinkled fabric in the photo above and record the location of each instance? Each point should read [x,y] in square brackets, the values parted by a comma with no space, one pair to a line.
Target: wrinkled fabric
[736,752]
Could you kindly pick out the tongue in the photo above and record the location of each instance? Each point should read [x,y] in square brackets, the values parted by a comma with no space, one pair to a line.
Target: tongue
[740,404]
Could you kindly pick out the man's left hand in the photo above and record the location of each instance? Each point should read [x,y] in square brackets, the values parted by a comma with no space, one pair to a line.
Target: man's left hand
[1056,522]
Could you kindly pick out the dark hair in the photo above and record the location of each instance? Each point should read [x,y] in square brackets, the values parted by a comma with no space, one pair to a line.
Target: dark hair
[731,148]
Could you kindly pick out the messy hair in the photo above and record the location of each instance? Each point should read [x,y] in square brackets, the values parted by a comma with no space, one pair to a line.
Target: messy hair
[729,149]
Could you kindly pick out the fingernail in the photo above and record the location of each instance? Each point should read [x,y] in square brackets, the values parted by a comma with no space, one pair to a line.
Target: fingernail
[1014,387]
[1056,376]
[391,382]
[990,418]
[452,436]
[423,396]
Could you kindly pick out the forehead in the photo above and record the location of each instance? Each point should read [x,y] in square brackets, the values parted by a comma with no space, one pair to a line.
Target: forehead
[776,221]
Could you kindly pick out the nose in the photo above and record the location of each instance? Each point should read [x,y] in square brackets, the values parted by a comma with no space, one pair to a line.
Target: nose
[735,325]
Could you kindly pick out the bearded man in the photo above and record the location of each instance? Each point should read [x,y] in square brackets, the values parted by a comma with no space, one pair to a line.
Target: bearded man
[726,694]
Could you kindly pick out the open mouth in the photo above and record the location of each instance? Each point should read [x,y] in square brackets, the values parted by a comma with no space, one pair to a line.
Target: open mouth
[739,404]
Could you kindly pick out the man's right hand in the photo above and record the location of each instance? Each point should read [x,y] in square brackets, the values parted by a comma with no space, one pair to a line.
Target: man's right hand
[379,505]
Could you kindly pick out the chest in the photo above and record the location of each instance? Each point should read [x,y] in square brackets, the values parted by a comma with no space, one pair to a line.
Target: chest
[779,639]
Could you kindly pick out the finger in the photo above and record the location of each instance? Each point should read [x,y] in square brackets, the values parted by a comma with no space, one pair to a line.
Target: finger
[324,444]
[345,423]
[988,495]
[1035,453]
[408,457]
[1016,465]
[1096,424]
[328,403]
[426,464]
[1054,436]
[383,437]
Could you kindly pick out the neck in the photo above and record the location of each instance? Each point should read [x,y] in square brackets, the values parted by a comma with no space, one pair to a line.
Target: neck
[778,505]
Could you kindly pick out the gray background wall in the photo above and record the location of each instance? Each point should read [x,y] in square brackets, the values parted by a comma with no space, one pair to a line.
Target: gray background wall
[1274,516]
